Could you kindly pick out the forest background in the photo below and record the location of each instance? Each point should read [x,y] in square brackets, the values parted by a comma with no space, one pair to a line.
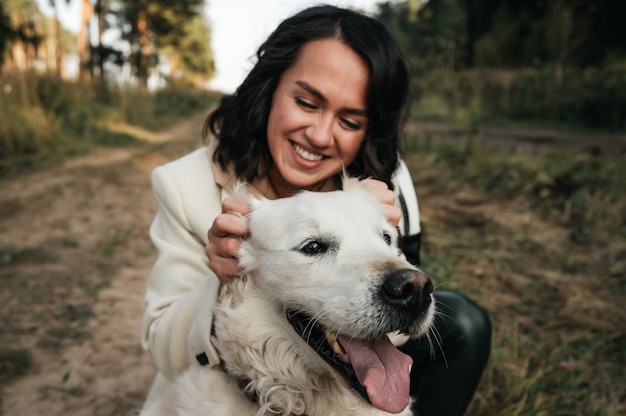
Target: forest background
[516,140]
[557,62]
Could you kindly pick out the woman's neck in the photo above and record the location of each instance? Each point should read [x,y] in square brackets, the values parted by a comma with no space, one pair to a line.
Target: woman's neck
[283,189]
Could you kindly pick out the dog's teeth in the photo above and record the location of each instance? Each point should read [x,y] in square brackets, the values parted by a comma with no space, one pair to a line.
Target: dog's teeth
[331,338]
[338,349]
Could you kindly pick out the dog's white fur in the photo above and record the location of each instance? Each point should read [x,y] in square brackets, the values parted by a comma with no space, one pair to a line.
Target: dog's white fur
[257,344]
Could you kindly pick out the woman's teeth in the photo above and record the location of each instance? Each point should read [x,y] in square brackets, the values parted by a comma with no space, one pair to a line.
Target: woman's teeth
[306,155]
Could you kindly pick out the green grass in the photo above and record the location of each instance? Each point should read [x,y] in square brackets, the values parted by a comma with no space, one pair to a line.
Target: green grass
[593,99]
[547,260]
[12,255]
[582,191]
[43,120]
[14,363]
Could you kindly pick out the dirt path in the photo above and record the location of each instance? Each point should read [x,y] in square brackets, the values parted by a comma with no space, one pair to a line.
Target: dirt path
[74,257]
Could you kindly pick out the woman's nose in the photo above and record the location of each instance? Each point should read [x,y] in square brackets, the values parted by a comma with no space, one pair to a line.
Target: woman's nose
[320,131]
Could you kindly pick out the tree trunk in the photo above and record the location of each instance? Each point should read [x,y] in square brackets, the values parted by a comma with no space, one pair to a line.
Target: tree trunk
[144,48]
[83,38]
[100,16]
[58,50]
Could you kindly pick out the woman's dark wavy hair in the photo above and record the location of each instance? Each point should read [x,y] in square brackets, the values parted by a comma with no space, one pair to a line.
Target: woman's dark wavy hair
[240,121]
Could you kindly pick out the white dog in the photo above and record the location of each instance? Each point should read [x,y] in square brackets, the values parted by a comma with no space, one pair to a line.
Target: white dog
[305,332]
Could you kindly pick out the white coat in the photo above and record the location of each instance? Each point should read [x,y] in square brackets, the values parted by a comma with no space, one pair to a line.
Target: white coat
[182,290]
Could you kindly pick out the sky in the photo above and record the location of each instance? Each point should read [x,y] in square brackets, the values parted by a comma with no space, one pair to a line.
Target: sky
[238,28]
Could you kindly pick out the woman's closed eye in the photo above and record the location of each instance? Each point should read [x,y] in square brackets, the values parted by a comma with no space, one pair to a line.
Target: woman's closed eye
[350,124]
[346,122]
[305,104]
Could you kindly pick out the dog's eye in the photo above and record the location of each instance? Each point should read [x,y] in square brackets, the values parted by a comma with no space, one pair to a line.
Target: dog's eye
[387,238]
[314,247]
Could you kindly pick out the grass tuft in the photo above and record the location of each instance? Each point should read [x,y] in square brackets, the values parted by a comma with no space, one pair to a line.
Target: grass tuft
[14,363]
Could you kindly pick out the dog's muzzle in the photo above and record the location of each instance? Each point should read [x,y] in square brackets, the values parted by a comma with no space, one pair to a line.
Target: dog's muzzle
[371,365]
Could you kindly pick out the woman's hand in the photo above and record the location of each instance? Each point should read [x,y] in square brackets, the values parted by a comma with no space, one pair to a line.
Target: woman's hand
[225,238]
[386,197]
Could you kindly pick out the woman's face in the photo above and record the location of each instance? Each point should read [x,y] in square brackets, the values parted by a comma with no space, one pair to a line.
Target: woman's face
[318,120]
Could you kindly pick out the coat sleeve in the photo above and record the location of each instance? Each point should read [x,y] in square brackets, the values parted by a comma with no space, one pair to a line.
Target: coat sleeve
[409,226]
[181,290]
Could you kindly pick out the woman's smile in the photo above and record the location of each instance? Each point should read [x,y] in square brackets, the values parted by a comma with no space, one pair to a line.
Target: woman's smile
[309,156]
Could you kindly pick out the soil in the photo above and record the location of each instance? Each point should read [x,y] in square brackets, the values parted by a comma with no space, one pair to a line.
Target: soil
[74,259]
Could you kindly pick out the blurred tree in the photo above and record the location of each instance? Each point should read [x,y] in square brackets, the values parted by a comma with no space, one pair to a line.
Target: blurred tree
[612,33]
[151,25]
[83,43]
[509,33]
[515,33]
[34,41]
[108,15]
[99,9]
[190,54]
[25,45]
[149,29]
[7,33]
[433,36]
[514,36]
[58,50]
[92,57]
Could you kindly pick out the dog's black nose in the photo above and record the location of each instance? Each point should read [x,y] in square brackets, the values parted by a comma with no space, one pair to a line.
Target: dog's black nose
[407,288]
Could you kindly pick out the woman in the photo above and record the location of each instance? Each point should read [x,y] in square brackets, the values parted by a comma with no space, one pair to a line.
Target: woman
[328,93]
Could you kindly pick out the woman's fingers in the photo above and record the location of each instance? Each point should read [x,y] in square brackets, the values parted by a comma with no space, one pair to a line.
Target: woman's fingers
[236,205]
[224,238]
[386,197]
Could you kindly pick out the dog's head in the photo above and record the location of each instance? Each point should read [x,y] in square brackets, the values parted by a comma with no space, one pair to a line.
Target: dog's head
[330,264]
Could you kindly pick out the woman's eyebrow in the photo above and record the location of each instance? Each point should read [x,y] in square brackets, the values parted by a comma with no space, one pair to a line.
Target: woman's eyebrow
[317,94]
[308,88]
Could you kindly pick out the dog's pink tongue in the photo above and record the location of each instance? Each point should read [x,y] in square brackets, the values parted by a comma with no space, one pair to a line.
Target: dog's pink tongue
[382,369]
